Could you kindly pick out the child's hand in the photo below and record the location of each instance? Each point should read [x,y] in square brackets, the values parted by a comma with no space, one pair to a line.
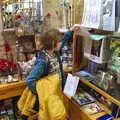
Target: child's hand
[84,32]
[79,30]
[75,27]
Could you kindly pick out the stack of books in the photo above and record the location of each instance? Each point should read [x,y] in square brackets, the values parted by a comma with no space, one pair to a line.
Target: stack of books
[88,104]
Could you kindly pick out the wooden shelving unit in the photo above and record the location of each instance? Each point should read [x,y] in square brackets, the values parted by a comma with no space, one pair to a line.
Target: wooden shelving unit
[68,71]
[74,110]
[103,93]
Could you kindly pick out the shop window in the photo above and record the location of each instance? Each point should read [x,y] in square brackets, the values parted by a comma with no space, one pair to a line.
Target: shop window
[22,13]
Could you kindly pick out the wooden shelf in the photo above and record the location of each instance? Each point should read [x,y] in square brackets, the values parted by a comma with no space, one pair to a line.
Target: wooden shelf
[11,89]
[9,30]
[68,71]
[103,93]
[100,31]
[27,52]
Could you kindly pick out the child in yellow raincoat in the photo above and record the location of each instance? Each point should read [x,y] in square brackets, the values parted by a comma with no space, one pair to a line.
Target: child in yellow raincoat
[45,79]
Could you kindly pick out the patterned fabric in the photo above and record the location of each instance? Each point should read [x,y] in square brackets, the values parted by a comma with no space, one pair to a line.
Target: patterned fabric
[46,64]
[53,64]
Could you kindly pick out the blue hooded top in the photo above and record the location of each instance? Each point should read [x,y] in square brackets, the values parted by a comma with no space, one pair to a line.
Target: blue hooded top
[41,65]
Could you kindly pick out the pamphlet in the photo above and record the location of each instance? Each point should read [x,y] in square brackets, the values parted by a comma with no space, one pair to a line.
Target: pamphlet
[71,85]
[99,14]
[92,17]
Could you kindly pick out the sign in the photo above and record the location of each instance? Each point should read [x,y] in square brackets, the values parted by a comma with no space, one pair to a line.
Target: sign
[71,85]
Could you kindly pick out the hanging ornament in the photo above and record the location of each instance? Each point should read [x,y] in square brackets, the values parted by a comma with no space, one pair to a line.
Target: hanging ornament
[48,15]
[67,12]
[56,12]
[7,47]
[65,4]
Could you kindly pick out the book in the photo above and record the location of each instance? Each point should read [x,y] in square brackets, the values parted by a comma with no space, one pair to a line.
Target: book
[92,108]
[108,15]
[105,117]
[97,50]
[83,73]
[116,111]
[83,98]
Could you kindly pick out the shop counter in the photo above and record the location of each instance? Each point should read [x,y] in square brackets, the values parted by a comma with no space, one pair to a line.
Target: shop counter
[10,90]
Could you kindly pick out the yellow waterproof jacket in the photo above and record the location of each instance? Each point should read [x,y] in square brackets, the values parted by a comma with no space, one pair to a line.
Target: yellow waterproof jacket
[50,99]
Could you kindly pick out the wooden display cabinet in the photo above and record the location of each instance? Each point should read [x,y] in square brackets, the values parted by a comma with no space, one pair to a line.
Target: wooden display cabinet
[78,61]
[76,113]
[74,110]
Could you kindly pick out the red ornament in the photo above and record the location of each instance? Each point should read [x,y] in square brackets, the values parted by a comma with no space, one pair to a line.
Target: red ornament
[7,47]
[56,12]
[18,16]
[48,15]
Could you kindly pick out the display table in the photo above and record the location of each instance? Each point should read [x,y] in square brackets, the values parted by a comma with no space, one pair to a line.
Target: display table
[76,113]
[11,89]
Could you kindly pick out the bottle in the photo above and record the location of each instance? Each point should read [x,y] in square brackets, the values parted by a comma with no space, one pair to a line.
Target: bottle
[10,114]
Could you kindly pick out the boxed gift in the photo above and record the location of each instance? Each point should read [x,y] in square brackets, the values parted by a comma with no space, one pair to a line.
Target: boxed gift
[96,49]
